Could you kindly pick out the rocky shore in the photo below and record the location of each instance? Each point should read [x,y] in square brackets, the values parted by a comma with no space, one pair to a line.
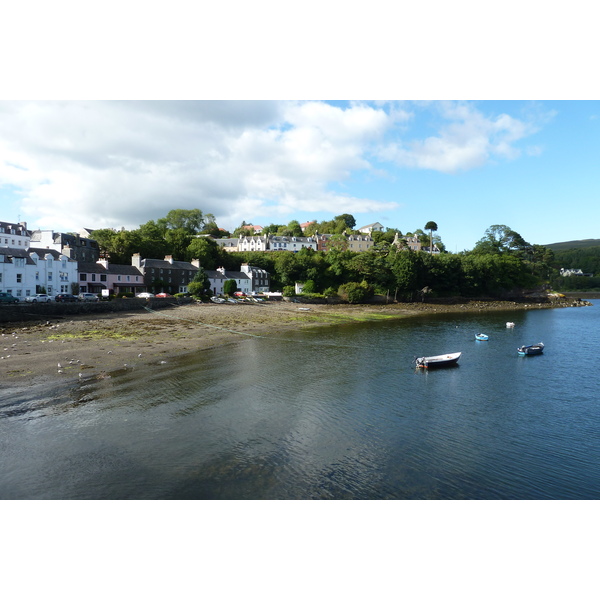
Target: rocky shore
[95,345]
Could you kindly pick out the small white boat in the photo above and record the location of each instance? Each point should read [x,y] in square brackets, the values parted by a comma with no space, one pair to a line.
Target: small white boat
[510,325]
[482,337]
[441,360]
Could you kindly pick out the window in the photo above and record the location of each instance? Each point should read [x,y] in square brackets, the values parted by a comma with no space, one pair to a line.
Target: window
[19,278]
[82,276]
[93,276]
[50,276]
[102,277]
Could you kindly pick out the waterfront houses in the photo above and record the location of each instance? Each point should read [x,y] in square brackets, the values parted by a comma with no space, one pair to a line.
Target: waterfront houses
[250,280]
[166,275]
[25,270]
[104,278]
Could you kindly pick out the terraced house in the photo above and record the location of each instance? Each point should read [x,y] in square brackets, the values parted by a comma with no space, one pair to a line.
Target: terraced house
[25,270]
[104,279]
[165,275]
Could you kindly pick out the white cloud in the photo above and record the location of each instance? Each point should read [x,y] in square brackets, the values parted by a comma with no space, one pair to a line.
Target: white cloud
[113,164]
[466,140]
[100,164]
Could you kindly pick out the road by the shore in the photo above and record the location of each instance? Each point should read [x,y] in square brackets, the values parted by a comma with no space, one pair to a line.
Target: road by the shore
[89,346]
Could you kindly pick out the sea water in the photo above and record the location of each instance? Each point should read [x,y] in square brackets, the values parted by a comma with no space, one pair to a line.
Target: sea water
[329,413]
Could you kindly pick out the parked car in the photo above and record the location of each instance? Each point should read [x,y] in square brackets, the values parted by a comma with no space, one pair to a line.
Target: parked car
[38,298]
[8,298]
[164,295]
[65,298]
[145,295]
[88,297]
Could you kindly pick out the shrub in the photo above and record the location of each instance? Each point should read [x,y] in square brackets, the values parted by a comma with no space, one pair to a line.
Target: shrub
[357,293]
[289,290]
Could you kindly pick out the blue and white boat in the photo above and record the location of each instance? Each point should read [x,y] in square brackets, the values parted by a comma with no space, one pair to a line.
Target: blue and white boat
[482,337]
[531,349]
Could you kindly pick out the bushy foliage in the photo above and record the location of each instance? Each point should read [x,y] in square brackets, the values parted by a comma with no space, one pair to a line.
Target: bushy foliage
[356,293]
[230,287]
[586,259]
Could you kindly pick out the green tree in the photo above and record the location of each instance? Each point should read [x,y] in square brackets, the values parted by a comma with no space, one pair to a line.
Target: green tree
[356,293]
[406,268]
[191,221]
[206,250]
[152,241]
[348,220]
[431,226]
[499,239]
[178,241]
[230,287]
[291,229]
[200,284]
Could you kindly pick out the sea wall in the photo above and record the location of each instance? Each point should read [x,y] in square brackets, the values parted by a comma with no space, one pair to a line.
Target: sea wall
[25,311]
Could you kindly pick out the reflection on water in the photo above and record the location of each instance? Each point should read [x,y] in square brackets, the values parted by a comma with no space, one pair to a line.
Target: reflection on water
[335,413]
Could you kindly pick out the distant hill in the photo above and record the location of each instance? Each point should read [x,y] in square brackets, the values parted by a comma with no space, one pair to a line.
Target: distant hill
[573,245]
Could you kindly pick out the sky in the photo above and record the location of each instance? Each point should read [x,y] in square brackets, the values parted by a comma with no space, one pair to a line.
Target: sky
[466,165]
[117,121]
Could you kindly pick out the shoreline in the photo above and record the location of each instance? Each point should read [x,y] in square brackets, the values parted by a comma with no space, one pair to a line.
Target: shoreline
[93,346]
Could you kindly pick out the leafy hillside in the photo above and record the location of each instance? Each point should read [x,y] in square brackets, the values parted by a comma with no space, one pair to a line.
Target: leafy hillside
[573,245]
[577,254]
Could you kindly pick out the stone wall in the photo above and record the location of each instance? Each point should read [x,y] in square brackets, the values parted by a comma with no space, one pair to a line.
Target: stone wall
[25,311]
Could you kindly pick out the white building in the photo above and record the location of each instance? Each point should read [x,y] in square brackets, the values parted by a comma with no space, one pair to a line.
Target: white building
[14,235]
[368,229]
[250,280]
[252,243]
[291,243]
[25,271]
[53,271]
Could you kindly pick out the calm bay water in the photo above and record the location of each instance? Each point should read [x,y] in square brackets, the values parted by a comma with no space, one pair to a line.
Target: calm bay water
[334,413]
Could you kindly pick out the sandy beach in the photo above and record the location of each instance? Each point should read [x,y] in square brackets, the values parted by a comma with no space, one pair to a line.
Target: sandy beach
[93,346]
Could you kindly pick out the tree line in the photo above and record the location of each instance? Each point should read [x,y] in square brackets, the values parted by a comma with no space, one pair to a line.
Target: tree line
[502,262]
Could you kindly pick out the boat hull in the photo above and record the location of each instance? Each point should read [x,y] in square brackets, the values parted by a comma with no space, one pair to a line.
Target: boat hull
[532,350]
[434,362]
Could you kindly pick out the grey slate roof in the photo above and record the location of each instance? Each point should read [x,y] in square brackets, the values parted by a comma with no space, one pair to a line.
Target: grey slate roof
[10,253]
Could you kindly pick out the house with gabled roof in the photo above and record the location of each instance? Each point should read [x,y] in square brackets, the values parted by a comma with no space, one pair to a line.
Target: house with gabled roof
[166,275]
[54,271]
[227,244]
[291,243]
[371,228]
[14,235]
[303,226]
[250,280]
[73,245]
[104,278]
